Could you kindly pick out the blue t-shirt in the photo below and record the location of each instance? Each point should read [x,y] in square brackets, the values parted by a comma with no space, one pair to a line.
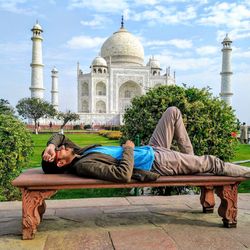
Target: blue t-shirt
[143,155]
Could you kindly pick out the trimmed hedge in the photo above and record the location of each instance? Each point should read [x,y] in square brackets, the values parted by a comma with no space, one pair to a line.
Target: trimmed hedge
[112,135]
[209,120]
[15,149]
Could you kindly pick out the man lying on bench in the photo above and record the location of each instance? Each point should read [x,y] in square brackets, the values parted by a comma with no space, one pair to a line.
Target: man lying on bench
[145,163]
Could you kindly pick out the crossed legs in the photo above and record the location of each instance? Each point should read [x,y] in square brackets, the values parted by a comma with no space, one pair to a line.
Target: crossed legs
[170,127]
[169,162]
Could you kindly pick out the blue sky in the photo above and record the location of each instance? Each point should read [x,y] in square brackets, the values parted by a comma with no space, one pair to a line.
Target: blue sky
[185,35]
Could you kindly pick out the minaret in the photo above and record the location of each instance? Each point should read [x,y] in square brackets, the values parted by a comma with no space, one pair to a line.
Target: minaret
[54,88]
[37,63]
[226,72]
[78,69]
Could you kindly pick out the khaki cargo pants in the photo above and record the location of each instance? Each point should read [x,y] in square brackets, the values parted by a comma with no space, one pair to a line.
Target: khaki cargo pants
[169,162]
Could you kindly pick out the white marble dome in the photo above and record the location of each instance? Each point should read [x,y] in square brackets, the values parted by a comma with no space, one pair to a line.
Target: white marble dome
[99,61]
[54,70]
[227,39]
[37,26]
[123,48]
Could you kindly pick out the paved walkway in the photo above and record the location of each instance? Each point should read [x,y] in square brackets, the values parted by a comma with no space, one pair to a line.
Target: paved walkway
[143,222]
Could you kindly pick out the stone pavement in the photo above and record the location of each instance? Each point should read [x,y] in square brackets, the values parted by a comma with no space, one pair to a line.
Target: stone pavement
[134,223]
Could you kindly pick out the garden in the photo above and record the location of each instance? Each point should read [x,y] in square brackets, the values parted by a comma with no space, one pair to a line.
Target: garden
[211,124]
[242,153]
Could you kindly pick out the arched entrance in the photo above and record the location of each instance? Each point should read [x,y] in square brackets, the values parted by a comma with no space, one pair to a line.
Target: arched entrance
[127,91]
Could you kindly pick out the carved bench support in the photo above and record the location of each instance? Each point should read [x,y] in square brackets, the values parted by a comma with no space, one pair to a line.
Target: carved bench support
[33,183]
[33,209]
[228,207]
[207,199]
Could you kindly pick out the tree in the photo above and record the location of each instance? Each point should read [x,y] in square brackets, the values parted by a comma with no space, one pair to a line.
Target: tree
[210,122]
[66,117]
[5,107]
[35,108]
[16,147]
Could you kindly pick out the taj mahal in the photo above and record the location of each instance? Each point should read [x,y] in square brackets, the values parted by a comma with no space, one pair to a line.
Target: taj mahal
[116,75]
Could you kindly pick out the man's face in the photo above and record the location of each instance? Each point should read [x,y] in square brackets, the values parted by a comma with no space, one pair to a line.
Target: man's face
[63,156]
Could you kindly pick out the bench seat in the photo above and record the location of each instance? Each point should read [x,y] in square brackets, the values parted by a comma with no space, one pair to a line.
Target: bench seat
[37,186]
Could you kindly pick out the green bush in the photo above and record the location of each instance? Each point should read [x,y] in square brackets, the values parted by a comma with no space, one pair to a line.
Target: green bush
[209,121]
[114,135]
[103,132]
[15,149]
[77,127]
[87,126]
[112,127]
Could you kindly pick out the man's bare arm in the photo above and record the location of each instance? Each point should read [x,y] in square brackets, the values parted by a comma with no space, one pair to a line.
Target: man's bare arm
[49,153]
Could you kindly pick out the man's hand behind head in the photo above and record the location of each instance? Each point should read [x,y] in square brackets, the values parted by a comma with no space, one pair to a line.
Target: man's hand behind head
[49,153]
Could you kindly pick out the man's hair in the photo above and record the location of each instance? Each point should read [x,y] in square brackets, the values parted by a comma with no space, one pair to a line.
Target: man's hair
[51,167]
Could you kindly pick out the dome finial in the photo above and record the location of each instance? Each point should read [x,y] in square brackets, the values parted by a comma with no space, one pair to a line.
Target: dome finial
[122,23]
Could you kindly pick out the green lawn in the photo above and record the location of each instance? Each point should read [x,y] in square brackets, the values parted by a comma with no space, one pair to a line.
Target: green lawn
[242,153]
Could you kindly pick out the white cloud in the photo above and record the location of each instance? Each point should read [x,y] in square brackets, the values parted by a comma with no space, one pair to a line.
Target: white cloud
[85,42]
[234,18]
[189,63]
[146,2]
[108,6]
[181,43]
[234,34]
[98,21]
[231,15]
[153,2]
[162,14]
[238,34]
[242,54]
[178,43]
[14,7]
[192,63]
[207,50]
[172,15]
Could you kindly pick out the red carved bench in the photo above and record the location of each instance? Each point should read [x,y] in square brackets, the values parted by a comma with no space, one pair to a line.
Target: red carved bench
[37,186]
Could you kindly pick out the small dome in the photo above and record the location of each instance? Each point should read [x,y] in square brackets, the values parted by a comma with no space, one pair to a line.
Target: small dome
[54,70]
[37,26]
[154,63]
[123,47]
[227,39]
[99,61]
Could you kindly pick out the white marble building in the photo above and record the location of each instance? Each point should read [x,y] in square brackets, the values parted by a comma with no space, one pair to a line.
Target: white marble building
[116,76]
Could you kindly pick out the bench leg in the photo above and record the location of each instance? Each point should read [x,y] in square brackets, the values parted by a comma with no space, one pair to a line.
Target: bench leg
[33,210]
[42,209]
[207,199]
[228,207]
